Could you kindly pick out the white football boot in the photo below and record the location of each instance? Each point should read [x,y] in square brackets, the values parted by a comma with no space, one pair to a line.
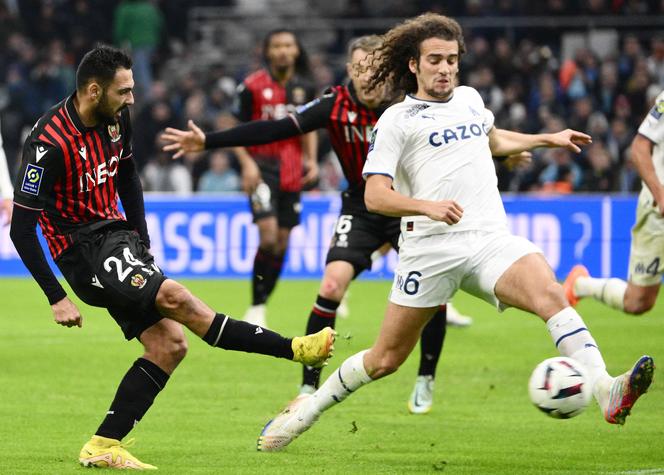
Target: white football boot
[288,425]
[421,399]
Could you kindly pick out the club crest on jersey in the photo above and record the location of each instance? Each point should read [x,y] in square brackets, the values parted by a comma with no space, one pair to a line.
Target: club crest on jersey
[267,93]
[137,280]
[114,132]
[32,179]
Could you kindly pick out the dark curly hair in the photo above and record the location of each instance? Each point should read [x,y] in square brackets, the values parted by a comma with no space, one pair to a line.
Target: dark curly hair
[402,43]
[101,64]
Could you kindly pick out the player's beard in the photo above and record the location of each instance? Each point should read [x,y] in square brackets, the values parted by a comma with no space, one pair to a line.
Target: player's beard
[105,112]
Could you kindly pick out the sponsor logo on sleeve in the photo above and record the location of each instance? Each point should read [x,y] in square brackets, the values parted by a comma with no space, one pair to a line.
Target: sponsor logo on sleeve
[374,132]
[32,179]
[657,110]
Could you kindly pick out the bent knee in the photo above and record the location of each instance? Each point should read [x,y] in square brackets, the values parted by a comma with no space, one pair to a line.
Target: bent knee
[639,306]
[550,300]
[332,288]
[169,351]
[386,365]
[172,296]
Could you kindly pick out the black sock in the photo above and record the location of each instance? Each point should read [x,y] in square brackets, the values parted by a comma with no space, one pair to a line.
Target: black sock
[133,398]
[322,315]
[276,263]
[236,335]
[260,276]
[431,342]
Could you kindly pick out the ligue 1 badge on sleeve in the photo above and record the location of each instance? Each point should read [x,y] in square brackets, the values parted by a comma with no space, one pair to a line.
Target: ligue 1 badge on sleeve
[114,132]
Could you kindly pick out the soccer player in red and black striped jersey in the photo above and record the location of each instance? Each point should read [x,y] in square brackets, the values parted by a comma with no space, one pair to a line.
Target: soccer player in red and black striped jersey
[76,162]
[349,113]
[272,173]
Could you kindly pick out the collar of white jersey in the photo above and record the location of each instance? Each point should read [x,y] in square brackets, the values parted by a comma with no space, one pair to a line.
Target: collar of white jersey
[412,98]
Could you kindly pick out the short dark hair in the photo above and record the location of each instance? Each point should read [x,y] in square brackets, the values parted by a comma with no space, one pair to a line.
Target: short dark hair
[302,66]
[101,64]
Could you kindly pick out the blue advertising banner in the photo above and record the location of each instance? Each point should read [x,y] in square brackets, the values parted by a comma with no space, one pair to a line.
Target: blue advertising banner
[213,236]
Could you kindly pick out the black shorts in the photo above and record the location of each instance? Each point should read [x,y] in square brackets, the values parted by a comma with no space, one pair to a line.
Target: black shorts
[269,200]
[112,268]
[357,234]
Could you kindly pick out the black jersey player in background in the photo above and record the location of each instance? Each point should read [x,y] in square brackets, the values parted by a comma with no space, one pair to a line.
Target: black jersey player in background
[272,173]
[349,113]
[76,161]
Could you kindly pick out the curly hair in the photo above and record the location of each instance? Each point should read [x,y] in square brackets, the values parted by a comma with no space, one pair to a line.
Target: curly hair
[402,43]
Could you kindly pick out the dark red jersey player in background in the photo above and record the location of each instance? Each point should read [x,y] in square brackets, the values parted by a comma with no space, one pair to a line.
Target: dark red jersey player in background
[273,173]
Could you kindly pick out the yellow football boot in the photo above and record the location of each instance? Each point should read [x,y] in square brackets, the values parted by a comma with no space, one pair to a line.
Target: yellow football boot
[315,349]
[110,453]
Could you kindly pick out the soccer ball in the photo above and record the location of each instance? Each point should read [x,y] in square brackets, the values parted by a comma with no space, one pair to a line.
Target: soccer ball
[560,388]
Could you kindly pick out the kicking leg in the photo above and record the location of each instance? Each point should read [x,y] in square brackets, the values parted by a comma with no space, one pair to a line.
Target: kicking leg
[399,333]
[529,284]
[174,301]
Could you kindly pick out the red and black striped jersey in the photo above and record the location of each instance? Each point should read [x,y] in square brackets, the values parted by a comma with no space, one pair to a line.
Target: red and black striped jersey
[261,97]
[69,173]
[349,124]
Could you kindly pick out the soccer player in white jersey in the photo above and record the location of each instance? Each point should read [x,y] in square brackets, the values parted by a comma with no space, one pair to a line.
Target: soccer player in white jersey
[431,164]
[646,260]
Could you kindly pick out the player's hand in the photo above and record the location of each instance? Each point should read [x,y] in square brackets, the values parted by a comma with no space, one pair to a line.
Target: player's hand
[183,141]
[570,139]
[251,176]
[6,209]
[659,200]
[518,160]
[447,211]
[65,313]
[312,172]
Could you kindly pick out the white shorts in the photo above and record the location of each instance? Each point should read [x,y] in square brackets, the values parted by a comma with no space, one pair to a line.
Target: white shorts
[432,268]
[646,256]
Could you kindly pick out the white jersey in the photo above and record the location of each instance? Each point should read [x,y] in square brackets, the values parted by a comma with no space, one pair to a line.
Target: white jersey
[440,151]
[652,128]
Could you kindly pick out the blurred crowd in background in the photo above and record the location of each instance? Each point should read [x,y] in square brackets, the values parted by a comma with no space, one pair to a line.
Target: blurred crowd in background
[532,78]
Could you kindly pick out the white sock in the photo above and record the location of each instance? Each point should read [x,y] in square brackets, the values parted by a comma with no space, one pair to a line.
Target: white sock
[610,291]
[350,376]
[574,340]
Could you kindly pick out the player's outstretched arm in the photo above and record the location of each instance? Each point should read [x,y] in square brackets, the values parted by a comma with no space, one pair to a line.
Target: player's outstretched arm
[382,199]
[258,132]
[506,142]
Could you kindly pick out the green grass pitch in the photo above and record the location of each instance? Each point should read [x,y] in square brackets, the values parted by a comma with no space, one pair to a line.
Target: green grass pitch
[56,384]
